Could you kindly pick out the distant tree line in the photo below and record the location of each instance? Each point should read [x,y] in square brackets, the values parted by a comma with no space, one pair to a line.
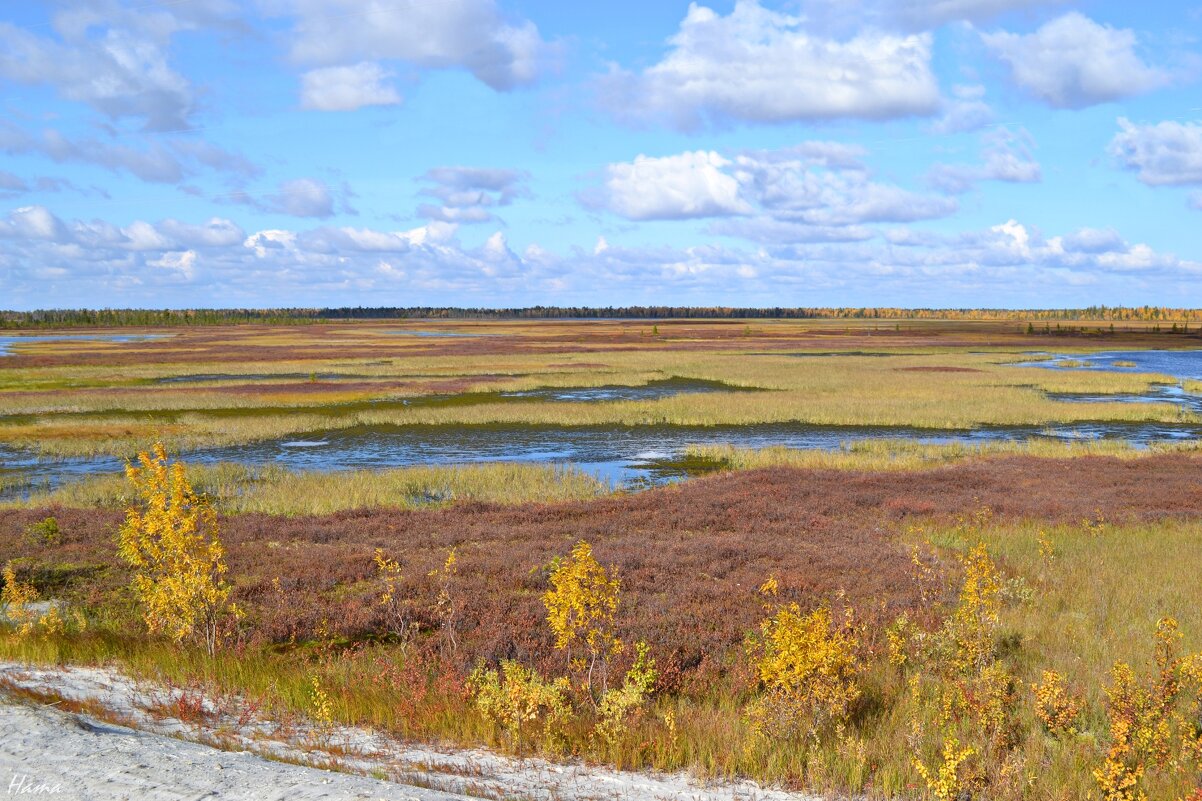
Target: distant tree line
[100,318]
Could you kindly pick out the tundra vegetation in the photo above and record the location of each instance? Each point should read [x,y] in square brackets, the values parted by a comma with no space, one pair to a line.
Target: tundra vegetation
[1002,621]
[920,633]
[209,386]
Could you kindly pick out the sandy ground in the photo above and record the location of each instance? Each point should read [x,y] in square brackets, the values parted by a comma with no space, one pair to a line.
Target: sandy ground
[120,741]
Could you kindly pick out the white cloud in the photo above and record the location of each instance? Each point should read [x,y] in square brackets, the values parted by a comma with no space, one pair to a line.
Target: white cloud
[1073,62]
[217,232]
[789,194]
[767,229]
[683,186]
[302,197]
[928,13]
[165,160]
[347,88]
[1012,262]
[758,65]
[182,262]
[967,112]
[468,34]
[119,74]
[1094,240]
[141,235]
[32,222]
[1167,153]
[469,194]
[1006,156]
[816,153]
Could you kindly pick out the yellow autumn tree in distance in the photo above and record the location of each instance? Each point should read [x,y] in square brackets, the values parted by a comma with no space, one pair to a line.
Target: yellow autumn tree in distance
[170,538]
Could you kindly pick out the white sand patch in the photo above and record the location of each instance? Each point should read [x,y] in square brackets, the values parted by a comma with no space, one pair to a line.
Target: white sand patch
[160,757]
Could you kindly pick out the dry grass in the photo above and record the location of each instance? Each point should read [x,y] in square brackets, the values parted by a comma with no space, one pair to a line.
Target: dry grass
[893,454]
[238,488]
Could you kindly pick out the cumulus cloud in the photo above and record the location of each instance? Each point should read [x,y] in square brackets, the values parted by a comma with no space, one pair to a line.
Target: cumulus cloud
[758,65]
[684,186]
[183,263]
[1073,62]
[810,192]
[347,88]
[211,261]
[32,222]
[470,194]
[119,74]
[468,34]
[1165,154]
[1006,156]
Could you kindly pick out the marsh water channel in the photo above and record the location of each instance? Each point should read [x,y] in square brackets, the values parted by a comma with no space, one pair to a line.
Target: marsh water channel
[631,456]
[7,342]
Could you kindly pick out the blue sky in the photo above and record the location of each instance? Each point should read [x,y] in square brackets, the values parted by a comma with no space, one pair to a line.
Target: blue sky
[516,152]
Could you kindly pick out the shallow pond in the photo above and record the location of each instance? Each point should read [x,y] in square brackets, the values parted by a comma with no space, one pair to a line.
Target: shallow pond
[1180,364]
[6,342]
[631,456]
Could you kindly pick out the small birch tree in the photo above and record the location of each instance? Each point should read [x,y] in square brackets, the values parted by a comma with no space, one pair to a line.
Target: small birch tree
[170,538]
[581,606]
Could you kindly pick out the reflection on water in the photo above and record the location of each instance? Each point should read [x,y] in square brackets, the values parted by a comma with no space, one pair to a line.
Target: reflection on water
[636,455]
[6,342]
[1180,364]
[621,455]
[1161,393]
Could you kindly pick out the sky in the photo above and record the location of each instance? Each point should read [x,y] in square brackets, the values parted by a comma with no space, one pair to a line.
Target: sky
[268,153]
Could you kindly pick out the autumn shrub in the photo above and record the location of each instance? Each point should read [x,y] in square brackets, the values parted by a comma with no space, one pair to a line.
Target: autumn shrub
[620,705]
[517,698]
[44,532]
[391,598]
[970,631]
[18,610]
[808,667]
[15,599]
[446,604]
[321,711]
[170,539]
[944,780]
[1154,728]
[1056,705]
[582,605]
